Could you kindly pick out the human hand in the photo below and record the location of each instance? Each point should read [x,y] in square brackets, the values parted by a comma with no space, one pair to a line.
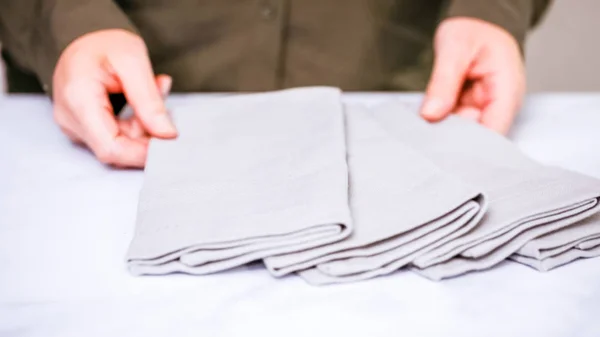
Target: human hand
[103,62]
[478,73]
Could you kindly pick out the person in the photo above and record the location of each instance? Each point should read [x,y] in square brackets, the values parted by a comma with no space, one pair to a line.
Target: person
[467,55]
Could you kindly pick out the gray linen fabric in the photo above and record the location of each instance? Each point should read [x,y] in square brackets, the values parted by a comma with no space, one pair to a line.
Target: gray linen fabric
[562,246]
[557,260]
[400,202]
[249,176]
[526,199]
[286,178]
[589,243]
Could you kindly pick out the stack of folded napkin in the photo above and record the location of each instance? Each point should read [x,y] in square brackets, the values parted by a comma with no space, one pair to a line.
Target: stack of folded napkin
[247,178]
[562,246]
[340,192]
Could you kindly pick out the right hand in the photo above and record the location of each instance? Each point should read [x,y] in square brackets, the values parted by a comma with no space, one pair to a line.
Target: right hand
[103,62]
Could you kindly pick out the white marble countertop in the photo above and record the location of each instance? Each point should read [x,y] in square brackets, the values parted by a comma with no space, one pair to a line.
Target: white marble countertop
[66,222]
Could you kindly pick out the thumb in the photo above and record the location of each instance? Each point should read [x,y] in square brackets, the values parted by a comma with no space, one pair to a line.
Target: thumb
[144,96]
[446,82]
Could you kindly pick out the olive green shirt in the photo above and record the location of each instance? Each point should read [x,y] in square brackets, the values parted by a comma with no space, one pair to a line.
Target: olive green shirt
[254,45]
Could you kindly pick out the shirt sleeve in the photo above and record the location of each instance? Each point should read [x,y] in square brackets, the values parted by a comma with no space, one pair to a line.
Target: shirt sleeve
[36,32]
[515,16]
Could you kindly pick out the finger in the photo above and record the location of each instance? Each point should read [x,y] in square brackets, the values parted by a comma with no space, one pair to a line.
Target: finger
[89,103]
[137,128]
[449,72]
[498,116]
[66,123]
[132,128]
[131,153]
[140,89]
[72,135]
[499,113]
[164,83]
[125,128]
[131,125]
[469,112]
[473,94]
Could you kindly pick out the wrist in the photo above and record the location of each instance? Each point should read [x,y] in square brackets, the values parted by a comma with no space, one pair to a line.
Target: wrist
[59,27]
[512,16]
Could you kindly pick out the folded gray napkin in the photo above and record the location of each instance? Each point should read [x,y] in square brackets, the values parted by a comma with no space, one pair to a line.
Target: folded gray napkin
[400,202]
[560,247]
[526,199]
[588,244]
[249,176]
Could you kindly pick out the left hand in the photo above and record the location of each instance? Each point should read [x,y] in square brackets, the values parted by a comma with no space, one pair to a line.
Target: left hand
[478,73]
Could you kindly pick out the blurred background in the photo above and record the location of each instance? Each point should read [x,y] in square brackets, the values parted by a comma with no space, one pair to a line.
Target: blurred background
[563,53]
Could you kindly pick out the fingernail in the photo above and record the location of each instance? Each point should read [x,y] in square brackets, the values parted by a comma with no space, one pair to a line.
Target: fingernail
[432,107]
[166,87]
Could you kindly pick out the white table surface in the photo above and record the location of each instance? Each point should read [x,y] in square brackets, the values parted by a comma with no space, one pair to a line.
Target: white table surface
[66,222]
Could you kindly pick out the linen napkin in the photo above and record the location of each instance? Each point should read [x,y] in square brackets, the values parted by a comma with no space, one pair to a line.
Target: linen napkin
[400,203]
[249,176]
[526,199]
[588,244]
[582,240]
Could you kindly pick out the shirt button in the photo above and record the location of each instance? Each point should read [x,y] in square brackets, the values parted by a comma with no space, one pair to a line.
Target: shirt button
[267,11]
